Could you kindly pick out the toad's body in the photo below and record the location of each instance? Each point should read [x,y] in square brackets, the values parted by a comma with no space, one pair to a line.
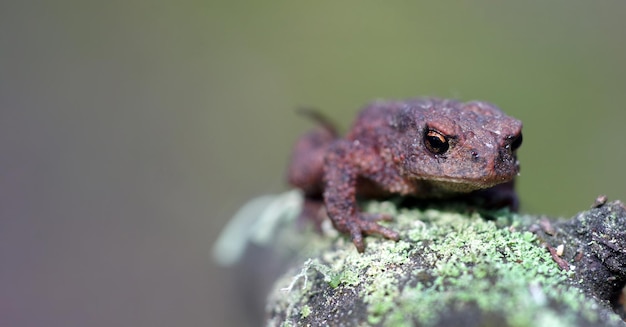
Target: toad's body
[420,147]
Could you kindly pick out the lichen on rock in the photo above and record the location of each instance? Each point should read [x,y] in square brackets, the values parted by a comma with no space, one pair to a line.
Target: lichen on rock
[452,266]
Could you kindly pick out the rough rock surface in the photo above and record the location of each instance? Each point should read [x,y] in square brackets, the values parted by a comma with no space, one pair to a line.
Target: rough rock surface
[454,266]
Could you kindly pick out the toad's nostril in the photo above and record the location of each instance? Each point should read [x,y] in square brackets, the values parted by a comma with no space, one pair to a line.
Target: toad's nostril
[513,142]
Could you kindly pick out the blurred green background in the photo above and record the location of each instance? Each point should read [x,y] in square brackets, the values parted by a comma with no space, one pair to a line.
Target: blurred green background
[131,131]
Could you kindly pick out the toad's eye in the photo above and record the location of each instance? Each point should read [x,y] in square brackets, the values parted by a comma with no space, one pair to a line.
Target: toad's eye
[516,142]
[436,142]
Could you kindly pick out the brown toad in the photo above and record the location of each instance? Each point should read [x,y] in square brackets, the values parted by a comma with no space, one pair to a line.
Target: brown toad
[426,148]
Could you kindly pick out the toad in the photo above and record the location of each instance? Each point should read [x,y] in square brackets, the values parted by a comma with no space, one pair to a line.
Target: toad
[425,148]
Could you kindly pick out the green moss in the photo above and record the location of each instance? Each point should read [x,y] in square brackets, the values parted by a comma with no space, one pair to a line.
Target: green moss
[446,261]
[305,311]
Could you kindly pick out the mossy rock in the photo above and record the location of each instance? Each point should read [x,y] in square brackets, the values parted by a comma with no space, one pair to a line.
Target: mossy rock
[454,266]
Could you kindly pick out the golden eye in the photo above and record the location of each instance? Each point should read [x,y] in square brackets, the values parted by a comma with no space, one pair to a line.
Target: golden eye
[436,142]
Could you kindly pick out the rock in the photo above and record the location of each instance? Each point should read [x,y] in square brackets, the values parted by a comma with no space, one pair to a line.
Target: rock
[455,266]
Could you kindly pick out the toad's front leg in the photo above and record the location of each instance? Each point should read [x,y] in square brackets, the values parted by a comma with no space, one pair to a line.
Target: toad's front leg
[344,164]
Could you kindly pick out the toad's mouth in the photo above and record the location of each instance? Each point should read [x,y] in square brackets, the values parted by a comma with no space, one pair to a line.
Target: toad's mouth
[465,185]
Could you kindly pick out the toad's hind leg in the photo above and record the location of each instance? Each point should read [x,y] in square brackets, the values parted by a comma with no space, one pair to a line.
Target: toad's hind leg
[306,168]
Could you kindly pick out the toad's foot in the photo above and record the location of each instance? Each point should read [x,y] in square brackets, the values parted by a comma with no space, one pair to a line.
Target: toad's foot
[365,224]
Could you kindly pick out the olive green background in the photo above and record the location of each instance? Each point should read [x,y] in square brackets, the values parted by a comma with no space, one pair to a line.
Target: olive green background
[131,131]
